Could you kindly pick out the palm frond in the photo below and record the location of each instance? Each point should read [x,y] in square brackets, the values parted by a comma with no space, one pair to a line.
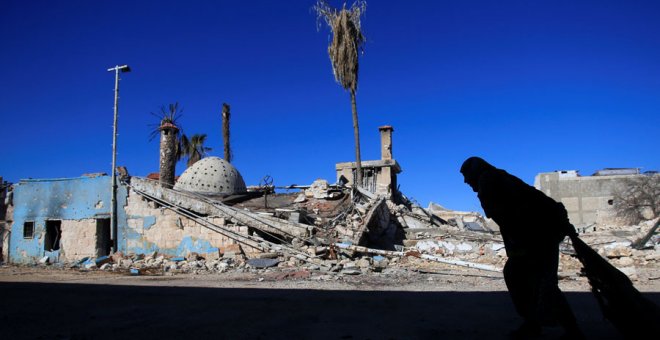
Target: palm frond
[347,40]
[193,148]
[169,114]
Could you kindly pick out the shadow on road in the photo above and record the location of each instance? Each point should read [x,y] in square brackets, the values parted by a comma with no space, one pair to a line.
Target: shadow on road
[82,311]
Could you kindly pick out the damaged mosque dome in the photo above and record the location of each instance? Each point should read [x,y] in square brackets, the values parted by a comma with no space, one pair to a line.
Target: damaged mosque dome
[211,176]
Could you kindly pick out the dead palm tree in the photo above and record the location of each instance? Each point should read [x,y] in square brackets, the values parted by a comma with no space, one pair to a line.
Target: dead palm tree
[344,50]
[194,148]
[170,133]
[225,131]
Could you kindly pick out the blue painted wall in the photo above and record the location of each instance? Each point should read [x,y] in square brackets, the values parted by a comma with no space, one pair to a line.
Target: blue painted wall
[82,198]
[58,199]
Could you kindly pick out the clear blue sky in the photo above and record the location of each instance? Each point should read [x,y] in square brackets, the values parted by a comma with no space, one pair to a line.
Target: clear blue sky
[531,86]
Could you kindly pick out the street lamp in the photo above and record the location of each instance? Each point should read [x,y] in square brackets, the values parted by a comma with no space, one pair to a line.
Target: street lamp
[113,207]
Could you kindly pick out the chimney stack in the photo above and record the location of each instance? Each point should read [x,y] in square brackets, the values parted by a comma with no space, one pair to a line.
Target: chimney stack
[386,142]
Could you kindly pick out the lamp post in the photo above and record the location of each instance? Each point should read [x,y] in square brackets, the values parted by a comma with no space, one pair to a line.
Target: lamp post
[113,206]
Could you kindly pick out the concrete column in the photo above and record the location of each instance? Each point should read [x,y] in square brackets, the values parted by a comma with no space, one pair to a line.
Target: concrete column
[384,182]
[386,142]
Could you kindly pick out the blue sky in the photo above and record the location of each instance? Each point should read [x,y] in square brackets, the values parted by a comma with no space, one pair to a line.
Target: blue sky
[531,86]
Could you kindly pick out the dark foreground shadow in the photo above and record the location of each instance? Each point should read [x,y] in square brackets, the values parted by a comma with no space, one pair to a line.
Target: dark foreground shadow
[73,311]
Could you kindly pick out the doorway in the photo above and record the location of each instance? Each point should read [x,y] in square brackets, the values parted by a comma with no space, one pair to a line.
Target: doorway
[103,241]
[53,235]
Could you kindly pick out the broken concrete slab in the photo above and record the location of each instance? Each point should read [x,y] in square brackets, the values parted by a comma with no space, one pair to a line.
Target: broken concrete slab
[263,263]
[318,189]
[102,260]
[351,271]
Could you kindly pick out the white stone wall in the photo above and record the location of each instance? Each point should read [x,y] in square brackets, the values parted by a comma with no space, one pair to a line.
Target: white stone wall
[169,229]
[78,239]
[5,233]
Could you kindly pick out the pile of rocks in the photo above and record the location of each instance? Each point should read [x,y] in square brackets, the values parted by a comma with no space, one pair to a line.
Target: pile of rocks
[159,264]
[444,247]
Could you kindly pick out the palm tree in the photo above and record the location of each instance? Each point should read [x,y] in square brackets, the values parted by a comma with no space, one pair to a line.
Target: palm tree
[170,133]
[225,131]
[194,148]
[344,49]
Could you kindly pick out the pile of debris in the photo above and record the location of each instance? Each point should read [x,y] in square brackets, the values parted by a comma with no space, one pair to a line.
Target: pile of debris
[338,230]
[426,255]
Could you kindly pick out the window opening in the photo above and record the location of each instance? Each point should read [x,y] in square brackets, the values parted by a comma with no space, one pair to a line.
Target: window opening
[28,229]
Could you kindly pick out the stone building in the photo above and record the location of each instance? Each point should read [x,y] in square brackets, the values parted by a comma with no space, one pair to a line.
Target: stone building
[588,199]
[378,176]
[69,219]
[206,212]
[65,218]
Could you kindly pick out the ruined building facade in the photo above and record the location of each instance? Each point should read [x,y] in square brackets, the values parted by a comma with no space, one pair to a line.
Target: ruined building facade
[379,176]
[69,219]
[205,213]
[589,200]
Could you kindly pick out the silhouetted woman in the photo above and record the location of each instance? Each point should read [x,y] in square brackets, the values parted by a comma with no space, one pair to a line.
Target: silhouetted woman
[532,226]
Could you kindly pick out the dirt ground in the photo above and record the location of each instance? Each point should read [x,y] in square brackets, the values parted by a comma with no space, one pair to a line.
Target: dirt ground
[50,303]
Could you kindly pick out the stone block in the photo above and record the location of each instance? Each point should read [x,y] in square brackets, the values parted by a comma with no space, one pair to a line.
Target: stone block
[117,257]
[364,262]
[211,256]
[624,262]
[231,248]
[410,243]
[617,252]
[265,255]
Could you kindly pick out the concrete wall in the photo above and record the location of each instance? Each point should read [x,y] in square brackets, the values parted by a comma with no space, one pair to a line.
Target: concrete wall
[76,202]
[78,239]
[3,195]
[379,177]
[588,199]
[150,228]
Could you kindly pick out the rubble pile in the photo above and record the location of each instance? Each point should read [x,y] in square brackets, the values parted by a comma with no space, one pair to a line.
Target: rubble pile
[354,232]
[330,231]
[155,264]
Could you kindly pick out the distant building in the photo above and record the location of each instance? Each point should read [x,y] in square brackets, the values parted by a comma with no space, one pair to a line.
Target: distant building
[588,199]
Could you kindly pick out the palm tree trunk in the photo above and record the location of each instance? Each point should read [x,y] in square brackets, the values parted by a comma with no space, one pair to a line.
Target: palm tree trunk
[167,157]
[225,131]
[356,133]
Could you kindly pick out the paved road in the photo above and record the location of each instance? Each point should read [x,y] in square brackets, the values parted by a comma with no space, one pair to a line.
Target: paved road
[84,311]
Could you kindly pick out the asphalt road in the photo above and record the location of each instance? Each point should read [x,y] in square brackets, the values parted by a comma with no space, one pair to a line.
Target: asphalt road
[90,311]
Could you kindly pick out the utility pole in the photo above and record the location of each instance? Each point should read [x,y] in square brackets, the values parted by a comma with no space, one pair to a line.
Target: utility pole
[113,206]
